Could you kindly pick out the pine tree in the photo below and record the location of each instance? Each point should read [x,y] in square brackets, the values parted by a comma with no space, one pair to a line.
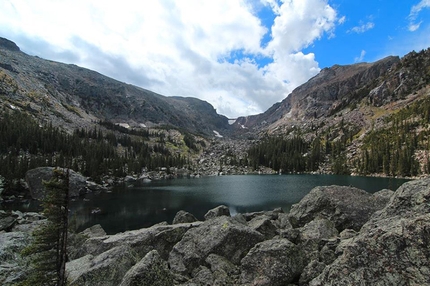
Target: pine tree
[48,250]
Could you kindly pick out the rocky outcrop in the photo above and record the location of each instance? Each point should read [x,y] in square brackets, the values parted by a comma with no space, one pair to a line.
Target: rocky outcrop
[346,207]
[326,243]
[392,248]
[183,217]
[151,270]
[78,184]
[223,236]
[216,212]
[272,262]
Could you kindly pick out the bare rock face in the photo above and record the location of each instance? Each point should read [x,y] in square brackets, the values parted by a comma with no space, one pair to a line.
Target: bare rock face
[151,270]
[217,212]
[35,178]
[108,267]
[183,217]
[346,207]
[223,236]
[272,262]
[392,248]
[9,45]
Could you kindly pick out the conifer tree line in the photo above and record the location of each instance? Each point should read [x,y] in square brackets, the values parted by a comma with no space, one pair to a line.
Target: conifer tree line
[296,155]
[392,150]
[25,145]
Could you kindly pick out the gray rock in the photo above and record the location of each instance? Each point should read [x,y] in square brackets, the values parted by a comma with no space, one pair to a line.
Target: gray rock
[392,248]
[283,221]
[12,265]
[151,271]
[312,270]
[107,268]
[263,225]
[94,231]
[272,262]
[224,272]
[7,223]
[217,212]
[346,207]
[160,237]
[223,236]
[183,217]
[35,178]
[318,229]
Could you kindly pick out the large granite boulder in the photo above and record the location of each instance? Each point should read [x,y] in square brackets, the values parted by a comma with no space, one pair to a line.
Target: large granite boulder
[150,271]
[217,212]
[107,268]
[158,237]
[272,262]
[12,265]
[392,248]
[346,207]
[35,178]
[183,217]
[224,236]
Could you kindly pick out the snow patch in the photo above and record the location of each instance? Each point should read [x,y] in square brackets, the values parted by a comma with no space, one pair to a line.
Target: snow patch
[217,134]
[142,125]
[125,125]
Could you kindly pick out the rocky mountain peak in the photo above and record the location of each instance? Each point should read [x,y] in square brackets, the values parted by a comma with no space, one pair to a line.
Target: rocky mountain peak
[9,45]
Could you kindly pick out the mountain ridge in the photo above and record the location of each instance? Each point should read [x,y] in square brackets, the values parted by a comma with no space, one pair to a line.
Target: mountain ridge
[85,95]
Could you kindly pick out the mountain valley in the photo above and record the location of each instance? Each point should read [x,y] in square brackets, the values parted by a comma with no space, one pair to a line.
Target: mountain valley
[365,118]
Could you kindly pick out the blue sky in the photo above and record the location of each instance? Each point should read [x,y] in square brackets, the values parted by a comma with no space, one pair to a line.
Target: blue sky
[241,56]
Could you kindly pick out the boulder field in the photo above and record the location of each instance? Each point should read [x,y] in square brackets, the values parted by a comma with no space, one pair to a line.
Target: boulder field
[333,236]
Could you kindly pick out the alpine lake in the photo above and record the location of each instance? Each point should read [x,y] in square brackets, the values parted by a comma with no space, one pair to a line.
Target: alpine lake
[129,207]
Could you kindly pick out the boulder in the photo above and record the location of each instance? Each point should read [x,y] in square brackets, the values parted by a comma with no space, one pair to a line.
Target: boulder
[183,217]
[224,272]
[159,237]
[94,231]
[151,271]
[35,178]
[272,262]
[107,268]
[263,225]
[223,236]
[217,212]
[392,248]
[346,207]
[12,265]
[7,223]
[318,229]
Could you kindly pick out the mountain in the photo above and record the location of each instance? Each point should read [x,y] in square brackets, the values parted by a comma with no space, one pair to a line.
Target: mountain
[70,96]
[365,118]
[354,88]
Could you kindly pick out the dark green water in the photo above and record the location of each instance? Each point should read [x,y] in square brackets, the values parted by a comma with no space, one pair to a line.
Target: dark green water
[147,204]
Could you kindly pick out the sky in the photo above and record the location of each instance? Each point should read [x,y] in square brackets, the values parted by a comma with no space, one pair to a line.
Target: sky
[242,56]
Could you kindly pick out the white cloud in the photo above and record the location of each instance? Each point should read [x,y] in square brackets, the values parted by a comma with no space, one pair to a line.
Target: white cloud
[415,10]
[361,57]
[179,48]
[362,28]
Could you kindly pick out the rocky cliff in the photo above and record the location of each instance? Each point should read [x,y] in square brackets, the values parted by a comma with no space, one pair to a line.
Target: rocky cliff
[351,88]
[70,96]
[334,236]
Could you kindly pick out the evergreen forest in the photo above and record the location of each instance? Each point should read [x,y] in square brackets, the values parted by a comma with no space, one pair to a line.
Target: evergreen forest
[25,145]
